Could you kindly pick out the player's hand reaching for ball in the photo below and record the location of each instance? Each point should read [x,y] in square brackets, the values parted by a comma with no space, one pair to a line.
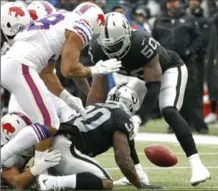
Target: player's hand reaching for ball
[73,102]
[106,67]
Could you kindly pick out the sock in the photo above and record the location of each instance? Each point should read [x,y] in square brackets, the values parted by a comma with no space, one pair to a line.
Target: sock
[138,167]
[195,161]
[181,129]
[213,106]
[24,139]
[88,181]
[66,181]
[133,153]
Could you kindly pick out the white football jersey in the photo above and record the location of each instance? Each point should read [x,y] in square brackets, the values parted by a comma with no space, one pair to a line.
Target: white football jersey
[42,41]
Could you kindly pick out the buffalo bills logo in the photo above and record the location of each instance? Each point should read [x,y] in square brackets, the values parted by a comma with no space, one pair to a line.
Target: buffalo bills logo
[17,10]
[101,19]
[8,128]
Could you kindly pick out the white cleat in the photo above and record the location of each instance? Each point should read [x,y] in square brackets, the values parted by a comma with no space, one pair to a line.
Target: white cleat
[210,118]
[47,182]
[125,182]
[199,175]
[122,182]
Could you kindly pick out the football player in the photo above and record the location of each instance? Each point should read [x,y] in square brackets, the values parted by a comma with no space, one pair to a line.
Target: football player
[41,43]
[139,52]
[106,125]
[13,171]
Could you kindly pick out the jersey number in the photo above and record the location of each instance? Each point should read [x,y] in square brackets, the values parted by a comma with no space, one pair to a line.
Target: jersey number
[149,49]
[45,23]
[93,119]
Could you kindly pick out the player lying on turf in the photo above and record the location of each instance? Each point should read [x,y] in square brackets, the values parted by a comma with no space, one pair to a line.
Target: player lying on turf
[106,125]
[45,40]
[141,57]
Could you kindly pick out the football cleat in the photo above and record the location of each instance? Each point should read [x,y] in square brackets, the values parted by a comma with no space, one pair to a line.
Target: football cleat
[210,118]
[124,181]
[47,182]
[199,175]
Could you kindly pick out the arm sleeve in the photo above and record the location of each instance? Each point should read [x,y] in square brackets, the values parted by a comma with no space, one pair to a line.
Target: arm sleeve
[83,30]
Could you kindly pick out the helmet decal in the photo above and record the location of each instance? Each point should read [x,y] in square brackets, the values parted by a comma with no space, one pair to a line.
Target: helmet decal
[101,19]
[8,128]
[18,11]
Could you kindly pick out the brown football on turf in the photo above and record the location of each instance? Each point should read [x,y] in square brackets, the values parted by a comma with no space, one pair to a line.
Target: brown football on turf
[161,155]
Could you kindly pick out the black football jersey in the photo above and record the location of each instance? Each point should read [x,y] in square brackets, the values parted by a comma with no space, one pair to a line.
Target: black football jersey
[143,49]
[93,134]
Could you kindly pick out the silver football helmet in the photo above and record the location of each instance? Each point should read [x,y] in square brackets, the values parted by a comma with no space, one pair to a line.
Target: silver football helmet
[125,98]
[115,36]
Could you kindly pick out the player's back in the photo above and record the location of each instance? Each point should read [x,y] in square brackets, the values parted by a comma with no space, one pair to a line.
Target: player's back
[93,134]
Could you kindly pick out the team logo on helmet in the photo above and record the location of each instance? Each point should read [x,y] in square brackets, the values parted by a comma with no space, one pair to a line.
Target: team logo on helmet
[17,10]
[101,19]
[8,128]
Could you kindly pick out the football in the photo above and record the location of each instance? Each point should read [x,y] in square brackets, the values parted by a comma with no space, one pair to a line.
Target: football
[161,155]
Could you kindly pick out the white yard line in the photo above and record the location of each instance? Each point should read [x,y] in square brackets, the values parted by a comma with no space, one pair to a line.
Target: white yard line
[159,168]
[178,154]
[171,138]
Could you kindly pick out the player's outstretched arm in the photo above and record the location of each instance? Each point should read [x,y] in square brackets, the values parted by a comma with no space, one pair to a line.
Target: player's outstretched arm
[54,85]
[152,78]
[123,158]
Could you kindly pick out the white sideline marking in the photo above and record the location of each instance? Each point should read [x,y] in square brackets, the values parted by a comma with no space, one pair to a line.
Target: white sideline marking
[178,154]
[171,138]
[159,168]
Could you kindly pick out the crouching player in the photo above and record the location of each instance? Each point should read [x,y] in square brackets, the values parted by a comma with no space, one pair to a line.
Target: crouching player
[106,125]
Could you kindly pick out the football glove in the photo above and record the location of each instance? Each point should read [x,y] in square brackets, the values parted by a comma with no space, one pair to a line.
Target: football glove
[106,67]
[46,161]
[73,102]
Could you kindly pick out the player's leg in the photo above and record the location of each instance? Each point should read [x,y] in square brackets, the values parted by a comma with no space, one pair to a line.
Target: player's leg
[78,171]
[171,98]
[14,106]
[32,96]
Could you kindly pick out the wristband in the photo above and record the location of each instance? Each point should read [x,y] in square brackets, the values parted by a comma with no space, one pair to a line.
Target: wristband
[34,171]
[94,70]
[64,95]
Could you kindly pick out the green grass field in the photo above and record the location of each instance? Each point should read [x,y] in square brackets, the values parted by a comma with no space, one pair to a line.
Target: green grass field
[177,177]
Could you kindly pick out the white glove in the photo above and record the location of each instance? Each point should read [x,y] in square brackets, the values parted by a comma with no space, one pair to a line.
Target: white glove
[136,123]
[106,67]
[73,102]
[46,161]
